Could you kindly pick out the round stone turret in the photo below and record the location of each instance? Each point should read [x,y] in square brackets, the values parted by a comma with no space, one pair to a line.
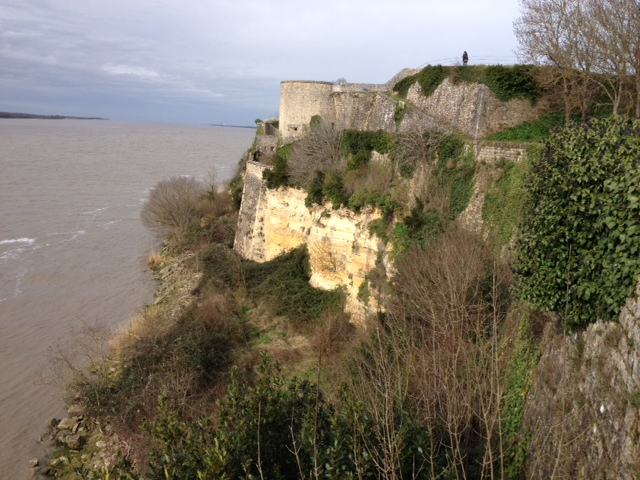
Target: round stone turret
[299,101]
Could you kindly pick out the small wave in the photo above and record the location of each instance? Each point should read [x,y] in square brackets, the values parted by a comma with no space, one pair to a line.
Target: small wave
[107,225]
[30,241]
[96,211]
[19,279]
[74,235]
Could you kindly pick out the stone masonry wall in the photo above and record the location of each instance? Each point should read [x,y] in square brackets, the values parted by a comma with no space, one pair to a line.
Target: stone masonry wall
[301,100]
[364,111]
[471,108]
[250,241]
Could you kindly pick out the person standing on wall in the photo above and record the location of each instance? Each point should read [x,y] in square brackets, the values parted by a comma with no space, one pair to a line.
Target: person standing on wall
[465,57]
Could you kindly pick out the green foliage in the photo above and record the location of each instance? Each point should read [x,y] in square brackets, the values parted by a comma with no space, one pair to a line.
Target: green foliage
[520,379]
[379,227]
[281,284]
[235,189]
[358,145]
[314,190]
[534,131]
[515,81]
[278,176]
[277,429]
[429,78]
[504,203]
[450,147]
[417,228]
[274,429]
[383,201]
[579,251]
[465,73]
[333,190]
[456,171]
[505,82]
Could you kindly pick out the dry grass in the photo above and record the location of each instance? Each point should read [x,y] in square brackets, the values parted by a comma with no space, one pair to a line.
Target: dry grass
[155,259]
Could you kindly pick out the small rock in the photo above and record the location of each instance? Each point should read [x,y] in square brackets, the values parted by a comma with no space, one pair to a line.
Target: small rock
[75,442]
[34,463]
[101,444]
[53,423]
[75,428]
[75,410]
[67,423]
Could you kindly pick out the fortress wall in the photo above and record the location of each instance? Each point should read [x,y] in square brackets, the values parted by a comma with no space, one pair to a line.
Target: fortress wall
[491,152]
[364,111]
[471,107]
[249,241]
[301,100]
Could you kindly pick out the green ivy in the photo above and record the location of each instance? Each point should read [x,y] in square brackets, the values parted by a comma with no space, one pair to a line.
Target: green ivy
[510,82]
[519,381]
[456,170]
[534,131]
[504,203]
[579,250]
[314,190]
[333,190]
[278,176]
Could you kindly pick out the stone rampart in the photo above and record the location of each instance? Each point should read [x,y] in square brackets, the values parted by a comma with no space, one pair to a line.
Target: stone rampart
[471,108]
[249,241]
[364,111]
[492,152]
[299,102]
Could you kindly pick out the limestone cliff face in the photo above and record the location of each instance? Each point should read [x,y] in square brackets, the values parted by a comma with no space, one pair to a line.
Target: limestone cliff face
[341,249]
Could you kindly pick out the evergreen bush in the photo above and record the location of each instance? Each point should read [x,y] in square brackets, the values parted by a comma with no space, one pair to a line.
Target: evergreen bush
[579,249]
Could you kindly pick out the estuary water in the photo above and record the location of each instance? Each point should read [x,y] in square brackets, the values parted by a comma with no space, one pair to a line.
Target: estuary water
[73,249]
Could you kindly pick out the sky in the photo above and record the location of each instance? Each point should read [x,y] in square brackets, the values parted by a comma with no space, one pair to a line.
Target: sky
[222,61]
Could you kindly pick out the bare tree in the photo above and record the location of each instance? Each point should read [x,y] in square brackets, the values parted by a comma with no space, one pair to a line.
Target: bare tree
[416,147]
[172,205]
[319,150]
[614,26]
[551,33]
[457,380]
[584,43]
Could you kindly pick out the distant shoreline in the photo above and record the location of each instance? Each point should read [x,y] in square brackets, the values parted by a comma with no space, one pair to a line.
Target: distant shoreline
[46,117]
[232,126]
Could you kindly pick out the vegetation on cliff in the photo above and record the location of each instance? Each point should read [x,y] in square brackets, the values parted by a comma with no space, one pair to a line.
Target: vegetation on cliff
[243,370]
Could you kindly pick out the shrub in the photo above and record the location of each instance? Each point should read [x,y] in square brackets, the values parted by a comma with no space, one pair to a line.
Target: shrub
[415,147]
[314,190]
[318,151]
[430,77]
[333,190]
[534,131]
[516,81]
[580,238]
[454,172]
[359,145]
[278,176]
[504,203]
[172,205]
[281,285]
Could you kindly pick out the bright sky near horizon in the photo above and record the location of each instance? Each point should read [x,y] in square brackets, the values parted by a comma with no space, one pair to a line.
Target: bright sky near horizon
[221,61]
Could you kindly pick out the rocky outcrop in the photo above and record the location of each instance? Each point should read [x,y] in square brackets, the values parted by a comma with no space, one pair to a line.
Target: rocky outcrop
[341,249]
[583,412]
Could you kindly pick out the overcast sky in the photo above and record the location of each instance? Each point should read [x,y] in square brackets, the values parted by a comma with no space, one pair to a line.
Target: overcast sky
[222,61]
